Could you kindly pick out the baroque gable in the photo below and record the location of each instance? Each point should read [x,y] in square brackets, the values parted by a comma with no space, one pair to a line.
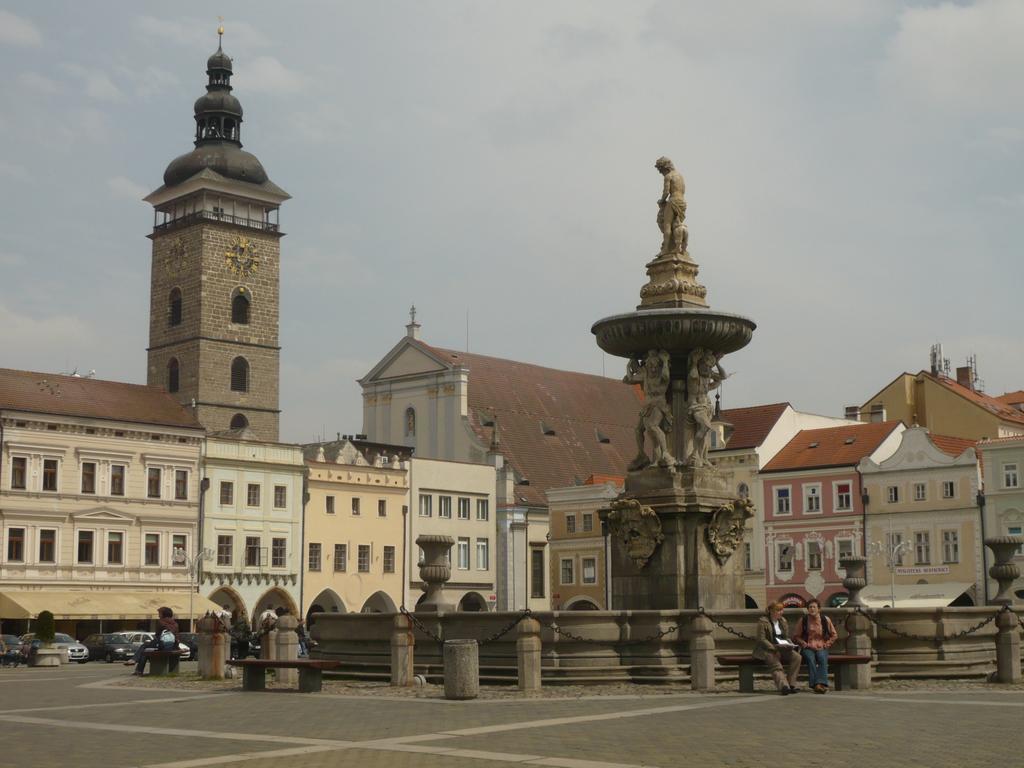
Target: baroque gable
[102,514]
[406,359]
[916,451]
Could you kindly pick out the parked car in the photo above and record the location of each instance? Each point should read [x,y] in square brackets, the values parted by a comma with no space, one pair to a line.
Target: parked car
[76,651]
[138,638]
[108,647]
[13,655]
[191,639]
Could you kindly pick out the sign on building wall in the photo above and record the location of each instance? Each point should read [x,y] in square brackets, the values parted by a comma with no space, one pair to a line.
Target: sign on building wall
[923,570]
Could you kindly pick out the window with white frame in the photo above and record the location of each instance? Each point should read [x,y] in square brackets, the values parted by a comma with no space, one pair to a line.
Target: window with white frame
[363,558]
[920,492]
[570,523]
[1016,530]
[85,547]
[382,507]
[278,552]
[845,548]
[748,556]
[950,547]
[463,508]
[225,547]
[483,554]
[314,555]
[893,542]
[389,559]
[922,548]
[812,499]
[19,473]
[47,545]
[280,496]
[482,509]
[181,484]
[893,492]
[227,492]
[948,489]
[252,551]
[153,482]
[89,477]
[252,495]
[329,505]
[844,497]
[117,473]
[444,506]
[463,554]
[179,543]
[566,571]
[588,522]
[426,505]
[589,570]
[50,467]
[814,555]
[340,558]
[151,549]
[356,503]
[784,551]
[1010,476]
[782,501]
[15,545]
[115,548]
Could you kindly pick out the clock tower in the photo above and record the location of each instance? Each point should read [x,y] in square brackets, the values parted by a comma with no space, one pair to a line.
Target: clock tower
[215,282]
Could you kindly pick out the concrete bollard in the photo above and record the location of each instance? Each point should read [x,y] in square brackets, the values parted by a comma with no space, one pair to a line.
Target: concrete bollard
[858,644]
[268,644]
[528,647]
[1008,668]
[461,669]
[403,647]
[286,648]
[702,654]
[212,641]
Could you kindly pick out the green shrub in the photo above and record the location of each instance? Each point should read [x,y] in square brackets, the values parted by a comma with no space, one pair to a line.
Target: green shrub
[45,629]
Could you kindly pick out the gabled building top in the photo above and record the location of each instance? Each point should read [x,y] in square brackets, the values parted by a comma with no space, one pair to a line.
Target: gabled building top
[832,446]
[751,425]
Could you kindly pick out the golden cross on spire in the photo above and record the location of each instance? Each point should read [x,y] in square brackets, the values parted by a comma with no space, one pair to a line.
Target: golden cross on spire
[220,30]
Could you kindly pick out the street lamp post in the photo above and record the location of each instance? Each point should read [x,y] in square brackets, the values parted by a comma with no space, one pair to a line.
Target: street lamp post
[893,554]
[181,557]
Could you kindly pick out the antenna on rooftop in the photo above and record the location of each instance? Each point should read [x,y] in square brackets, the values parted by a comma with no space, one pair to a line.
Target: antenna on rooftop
[977,383]
[939,364]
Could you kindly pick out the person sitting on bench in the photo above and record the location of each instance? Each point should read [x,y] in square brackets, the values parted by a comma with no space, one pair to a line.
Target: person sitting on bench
[165,639]
[775,649]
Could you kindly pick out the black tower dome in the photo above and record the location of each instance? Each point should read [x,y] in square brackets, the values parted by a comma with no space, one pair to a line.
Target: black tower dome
[218,116]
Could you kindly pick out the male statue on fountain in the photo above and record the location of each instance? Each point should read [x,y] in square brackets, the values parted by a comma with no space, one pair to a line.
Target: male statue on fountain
[656,414]
[672,209]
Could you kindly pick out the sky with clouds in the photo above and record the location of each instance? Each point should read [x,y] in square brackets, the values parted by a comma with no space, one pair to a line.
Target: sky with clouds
[853,178]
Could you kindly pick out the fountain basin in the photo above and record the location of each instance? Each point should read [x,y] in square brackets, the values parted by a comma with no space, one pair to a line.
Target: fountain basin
[676,330]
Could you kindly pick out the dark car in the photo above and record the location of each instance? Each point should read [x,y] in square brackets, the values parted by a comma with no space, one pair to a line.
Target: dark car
[191,639]
[13,655]
[108,647]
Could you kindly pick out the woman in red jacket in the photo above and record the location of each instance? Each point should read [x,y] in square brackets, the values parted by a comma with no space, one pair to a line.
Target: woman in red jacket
[815,634]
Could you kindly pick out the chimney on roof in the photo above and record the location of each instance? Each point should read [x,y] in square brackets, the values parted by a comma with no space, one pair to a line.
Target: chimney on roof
[852,412]
[964,377]
[877,413]
[412,330]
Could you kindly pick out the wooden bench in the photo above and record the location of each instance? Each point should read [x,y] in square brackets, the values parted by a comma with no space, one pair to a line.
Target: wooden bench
[163,662]
[747,665]
[254,672]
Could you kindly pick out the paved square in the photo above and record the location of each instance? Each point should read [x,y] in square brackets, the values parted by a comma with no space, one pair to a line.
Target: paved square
[83,716]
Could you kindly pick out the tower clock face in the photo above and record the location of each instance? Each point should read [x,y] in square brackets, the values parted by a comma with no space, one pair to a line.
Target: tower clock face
[175,257]
[240,257]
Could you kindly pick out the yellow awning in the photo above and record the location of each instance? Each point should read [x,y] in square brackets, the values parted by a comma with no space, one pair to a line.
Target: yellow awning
[96,604]
[914,595]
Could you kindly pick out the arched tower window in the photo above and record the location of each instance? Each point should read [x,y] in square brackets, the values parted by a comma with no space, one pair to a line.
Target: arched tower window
[239,375]
[410,422]
[238,421]
[240,308]
[172,375]
[174,307]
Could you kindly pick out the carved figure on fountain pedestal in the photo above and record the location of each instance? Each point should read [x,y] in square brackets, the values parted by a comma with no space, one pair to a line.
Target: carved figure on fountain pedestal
[672,209]
[705,373]
[727,527]
[639,528]
[656,415]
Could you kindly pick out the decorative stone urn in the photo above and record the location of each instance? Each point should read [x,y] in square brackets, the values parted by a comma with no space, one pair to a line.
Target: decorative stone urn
[1005,572]
[856,578]
[435,570]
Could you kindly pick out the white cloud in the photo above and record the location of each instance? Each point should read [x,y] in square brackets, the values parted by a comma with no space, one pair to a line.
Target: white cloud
[98,84]
[18,31]
[42,343]
[959,56]
[11,259]
[123,187]
[33,81]
[267,74]
[151,81]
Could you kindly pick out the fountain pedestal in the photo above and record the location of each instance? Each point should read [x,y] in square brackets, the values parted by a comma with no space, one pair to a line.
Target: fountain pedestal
[677,529]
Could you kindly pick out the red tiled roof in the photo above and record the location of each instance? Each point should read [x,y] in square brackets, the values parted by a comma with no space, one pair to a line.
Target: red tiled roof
[953,446]
[51,393]
[842,446]
[581,409]
[618,480]
[1012,398]
[752,424]
[989,403]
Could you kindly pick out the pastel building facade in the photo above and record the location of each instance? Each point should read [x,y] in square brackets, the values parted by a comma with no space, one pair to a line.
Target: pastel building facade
[1003,500]
[252,524]
[815,512]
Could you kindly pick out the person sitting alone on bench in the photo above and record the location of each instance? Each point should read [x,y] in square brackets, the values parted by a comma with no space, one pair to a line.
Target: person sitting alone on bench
[165,639]
[776,650]
[815,634]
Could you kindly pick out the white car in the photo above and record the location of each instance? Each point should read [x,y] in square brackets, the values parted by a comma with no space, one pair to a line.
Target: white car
[76,651]
[138,639]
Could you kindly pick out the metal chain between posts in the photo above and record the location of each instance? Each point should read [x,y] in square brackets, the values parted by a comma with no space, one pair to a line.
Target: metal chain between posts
[507,628]
[420,626]
[930,638]
[726,627]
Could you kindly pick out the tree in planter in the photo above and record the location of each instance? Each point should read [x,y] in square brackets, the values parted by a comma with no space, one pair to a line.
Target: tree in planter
[45,628]
[45,655]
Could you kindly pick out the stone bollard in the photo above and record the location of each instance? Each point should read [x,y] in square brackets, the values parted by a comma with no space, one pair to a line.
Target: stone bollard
[702,654]
[857,644]
[286,648]
[403,650]
[461,669]
[212,642]
[528,647]
[1008,668]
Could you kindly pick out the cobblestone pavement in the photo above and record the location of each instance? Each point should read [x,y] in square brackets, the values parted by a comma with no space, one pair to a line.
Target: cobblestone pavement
[95,716]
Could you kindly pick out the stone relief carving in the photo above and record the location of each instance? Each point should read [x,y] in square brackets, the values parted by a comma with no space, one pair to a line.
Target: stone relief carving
[639,528]
[656,415]
[726,528]
[672,209]
[704,374]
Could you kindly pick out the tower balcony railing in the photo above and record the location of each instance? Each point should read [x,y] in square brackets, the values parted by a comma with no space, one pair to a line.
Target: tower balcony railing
[227,218]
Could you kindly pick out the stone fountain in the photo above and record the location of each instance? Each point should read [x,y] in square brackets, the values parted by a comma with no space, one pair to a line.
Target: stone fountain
[676,528]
